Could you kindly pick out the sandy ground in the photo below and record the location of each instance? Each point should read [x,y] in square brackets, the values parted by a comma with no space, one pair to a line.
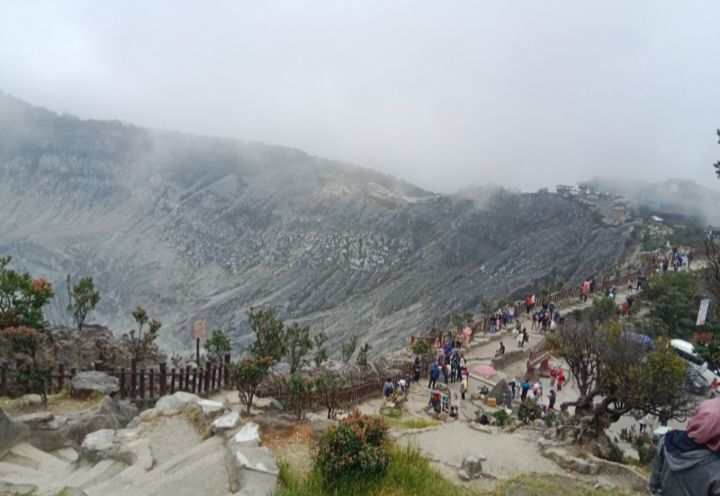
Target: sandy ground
[507,454]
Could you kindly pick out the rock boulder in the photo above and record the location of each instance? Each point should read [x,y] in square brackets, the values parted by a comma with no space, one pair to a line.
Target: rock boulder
[471,467]
[11,432]
[86,383]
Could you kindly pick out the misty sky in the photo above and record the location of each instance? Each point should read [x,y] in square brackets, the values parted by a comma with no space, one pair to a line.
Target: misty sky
[443,94]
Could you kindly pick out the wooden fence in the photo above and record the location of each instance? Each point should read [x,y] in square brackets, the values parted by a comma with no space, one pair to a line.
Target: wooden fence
[344,398]
[142,386]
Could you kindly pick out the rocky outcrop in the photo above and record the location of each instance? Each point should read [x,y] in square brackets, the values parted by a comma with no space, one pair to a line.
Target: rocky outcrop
[95,347]
[47,432]
[471,467]
[250,467]
[11,432]
[84,384]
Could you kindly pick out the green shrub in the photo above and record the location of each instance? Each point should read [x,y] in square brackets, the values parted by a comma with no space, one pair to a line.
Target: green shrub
[408,473]
[552,419]
[529,411]
[645,449]
[420,347]
[355,449]
[501,417]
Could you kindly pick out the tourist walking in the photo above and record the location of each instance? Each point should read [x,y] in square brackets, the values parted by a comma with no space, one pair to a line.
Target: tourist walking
[434,374]
[560,379]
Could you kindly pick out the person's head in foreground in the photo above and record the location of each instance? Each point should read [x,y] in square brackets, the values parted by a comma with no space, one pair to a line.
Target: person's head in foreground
[687,463]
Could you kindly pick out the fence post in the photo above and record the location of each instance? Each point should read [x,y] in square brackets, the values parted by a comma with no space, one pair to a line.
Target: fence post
[227,371]
[213,375]
[49,382]
[61,376]
[163,379]
[152,384]
[3,379]
[194,380]
[133,379]
[172,381]
[208,368]
[123,391]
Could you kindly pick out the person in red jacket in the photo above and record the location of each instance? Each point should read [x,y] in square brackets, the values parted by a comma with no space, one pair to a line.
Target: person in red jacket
[560,379]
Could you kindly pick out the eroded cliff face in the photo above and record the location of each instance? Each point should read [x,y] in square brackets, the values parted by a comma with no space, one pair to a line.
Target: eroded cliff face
[193,227]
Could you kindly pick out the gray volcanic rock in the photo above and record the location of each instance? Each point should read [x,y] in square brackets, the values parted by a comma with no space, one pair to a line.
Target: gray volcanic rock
[11,433]
[192,227]
[84,383]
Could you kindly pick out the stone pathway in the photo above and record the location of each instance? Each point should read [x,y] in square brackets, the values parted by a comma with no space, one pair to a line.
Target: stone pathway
[160,453]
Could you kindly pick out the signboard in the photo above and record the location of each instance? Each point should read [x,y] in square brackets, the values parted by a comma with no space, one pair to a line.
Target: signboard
[199,329]
[702,312]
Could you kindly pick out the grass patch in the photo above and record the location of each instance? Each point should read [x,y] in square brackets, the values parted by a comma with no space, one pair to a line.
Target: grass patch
[409,473]
[549,485]
[59,404]
[395,419]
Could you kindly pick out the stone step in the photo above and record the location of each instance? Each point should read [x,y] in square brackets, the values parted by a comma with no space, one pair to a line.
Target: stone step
[198,451]
[46,462]
[86,476]
[68,454]
[205,475]
[123,481]
[18,474]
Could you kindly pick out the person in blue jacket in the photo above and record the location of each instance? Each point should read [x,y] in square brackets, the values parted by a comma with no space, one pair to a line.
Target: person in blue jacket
[434,374]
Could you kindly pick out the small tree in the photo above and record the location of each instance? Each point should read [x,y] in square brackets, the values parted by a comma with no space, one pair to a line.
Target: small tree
[616,373]
[82,299]
[421,347]
[460,320]
[328,385]
[297,346]
[31,376]
[140,342]
[348,348]
[248,375]
[486,306]
[362,356]
[298,392]
[269,334]
[321,354]
[22,298]
[217,345]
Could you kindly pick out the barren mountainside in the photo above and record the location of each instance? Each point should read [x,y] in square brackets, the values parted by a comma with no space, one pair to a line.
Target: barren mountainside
[194,227]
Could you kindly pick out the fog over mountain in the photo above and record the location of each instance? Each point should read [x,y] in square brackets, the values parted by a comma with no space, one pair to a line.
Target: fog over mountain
[443,95]
[197,227]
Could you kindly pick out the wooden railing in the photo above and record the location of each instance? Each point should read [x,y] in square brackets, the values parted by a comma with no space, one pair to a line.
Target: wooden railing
[142,386]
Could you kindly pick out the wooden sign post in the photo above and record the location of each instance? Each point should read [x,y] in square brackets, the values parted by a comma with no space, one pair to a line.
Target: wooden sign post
[199,330]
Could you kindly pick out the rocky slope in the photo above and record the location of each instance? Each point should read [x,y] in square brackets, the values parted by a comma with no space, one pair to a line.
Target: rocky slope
[194,227]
